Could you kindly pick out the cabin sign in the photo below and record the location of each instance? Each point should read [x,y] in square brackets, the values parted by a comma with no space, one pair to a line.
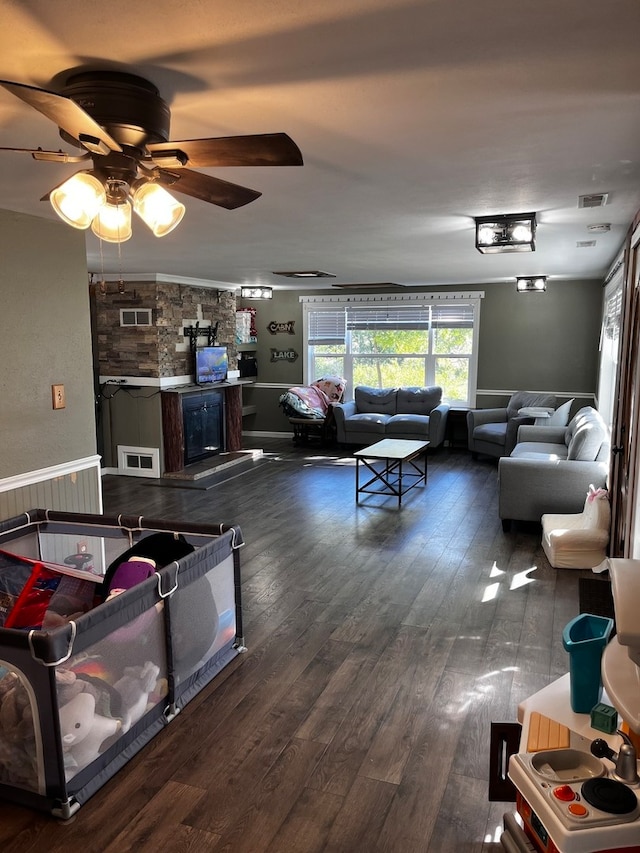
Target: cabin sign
[281,328]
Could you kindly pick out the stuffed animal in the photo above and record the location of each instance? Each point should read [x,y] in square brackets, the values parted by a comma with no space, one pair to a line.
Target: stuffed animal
[83,731]
[18,762]
[134,571]
[135,687]
[126,700]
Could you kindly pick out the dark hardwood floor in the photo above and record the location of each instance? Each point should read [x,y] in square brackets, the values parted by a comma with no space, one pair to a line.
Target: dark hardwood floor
[381,645]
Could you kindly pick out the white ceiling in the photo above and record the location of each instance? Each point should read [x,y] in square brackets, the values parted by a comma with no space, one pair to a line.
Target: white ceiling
[413,116]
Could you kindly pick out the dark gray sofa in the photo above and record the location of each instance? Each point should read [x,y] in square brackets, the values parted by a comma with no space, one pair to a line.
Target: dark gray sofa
[551,468]
[412,413]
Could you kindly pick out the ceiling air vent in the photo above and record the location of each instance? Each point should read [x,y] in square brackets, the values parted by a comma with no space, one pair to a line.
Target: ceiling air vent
[373,285]
[304,273]
[593,200]
[585,244]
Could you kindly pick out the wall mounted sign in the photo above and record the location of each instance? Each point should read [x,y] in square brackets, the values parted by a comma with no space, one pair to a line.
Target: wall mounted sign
[281,328]
[283,355]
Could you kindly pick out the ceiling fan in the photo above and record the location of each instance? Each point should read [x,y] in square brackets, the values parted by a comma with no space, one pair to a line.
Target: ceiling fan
[121,124]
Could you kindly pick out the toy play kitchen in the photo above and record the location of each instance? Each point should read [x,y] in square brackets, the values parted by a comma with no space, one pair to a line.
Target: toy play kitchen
[576,771]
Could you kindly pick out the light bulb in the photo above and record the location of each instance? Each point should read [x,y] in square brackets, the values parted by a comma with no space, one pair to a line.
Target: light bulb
[157,208]
[78,200]
[113,222]
[521,233]
[486,235]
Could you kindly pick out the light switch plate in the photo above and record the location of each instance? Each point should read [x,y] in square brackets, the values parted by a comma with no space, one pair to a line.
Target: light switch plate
[57,395]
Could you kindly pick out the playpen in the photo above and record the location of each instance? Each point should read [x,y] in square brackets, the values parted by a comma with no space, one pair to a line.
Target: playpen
[81,696]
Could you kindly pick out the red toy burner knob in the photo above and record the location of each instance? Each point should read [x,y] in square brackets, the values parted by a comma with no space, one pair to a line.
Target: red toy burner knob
[564,793]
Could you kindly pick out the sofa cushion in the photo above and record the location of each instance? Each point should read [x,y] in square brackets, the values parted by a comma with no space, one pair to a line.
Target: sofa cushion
[402,425]
[494,433]
[367,423]
[376,400]
[418,401]
[539,450]
[585,434]
[576,420]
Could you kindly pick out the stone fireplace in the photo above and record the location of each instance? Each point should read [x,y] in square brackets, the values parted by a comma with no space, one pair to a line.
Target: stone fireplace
[147,397]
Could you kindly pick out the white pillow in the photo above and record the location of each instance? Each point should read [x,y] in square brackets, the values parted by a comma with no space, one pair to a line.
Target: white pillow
[561,415]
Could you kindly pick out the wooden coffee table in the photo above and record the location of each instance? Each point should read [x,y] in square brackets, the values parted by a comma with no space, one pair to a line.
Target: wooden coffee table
[393,464]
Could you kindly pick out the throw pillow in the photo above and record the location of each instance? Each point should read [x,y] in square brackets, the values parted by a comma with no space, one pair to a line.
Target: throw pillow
[561,415]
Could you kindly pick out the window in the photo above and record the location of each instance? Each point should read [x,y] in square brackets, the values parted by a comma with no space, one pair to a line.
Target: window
[393,340]
[610,346]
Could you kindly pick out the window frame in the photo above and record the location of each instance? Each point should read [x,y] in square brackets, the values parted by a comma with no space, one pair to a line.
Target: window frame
[337,330]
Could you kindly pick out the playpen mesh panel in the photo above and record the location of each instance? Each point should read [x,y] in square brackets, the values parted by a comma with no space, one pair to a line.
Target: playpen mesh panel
[203,618]
[21,762]
[104,690]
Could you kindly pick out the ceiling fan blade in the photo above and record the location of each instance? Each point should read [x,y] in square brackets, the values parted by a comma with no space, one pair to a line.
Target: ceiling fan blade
[206,187]
[68,115]
[266,149]
[51,156]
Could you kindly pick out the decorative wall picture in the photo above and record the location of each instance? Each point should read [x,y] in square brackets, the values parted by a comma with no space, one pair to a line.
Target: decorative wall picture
[280,328]
[246,332]
[283,355]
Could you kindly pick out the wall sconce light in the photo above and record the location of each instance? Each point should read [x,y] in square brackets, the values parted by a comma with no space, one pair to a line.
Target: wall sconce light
[509,233]
[531,284]
[256,292]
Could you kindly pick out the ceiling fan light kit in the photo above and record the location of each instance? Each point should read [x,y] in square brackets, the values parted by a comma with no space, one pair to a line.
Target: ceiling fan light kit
[122,124]
[514,232]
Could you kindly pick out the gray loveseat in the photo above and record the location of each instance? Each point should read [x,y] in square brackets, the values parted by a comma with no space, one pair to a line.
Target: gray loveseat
[417,414]
[551,468]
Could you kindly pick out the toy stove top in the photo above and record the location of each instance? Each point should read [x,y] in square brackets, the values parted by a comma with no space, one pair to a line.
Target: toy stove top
[575,802]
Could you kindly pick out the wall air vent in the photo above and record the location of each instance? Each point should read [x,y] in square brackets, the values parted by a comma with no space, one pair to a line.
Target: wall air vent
[593,200]
[136,317]
[585,244]
[139,461]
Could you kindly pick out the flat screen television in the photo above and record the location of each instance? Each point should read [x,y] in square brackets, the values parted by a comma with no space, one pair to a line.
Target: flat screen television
[212,364]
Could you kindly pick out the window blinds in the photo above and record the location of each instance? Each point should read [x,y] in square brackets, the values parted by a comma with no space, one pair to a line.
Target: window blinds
[329,326]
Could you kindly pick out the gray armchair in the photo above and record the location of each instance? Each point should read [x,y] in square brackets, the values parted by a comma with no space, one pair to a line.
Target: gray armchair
[494,432]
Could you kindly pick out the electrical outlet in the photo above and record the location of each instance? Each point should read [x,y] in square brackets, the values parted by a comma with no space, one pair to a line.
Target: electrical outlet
[57,395]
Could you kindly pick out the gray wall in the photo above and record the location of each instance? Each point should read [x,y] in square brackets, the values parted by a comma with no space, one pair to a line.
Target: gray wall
[546,342]
[539,342]
[46,339]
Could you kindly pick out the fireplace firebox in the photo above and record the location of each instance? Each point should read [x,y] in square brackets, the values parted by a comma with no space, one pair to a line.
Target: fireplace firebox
[203,425]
